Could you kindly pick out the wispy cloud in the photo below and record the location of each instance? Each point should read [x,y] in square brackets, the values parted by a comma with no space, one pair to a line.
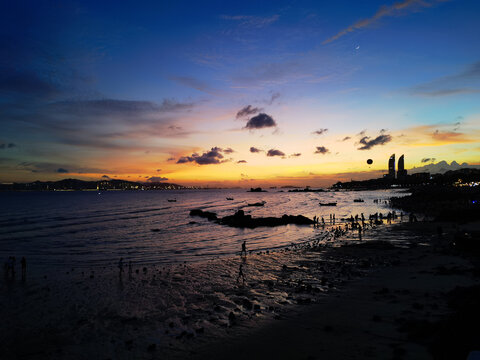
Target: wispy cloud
[462,82]
[396,9]
[440,134]
[247,111]
[194,83]
[320,132]
[251,21]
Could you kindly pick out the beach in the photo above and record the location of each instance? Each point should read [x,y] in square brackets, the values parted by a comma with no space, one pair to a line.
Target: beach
[350,299]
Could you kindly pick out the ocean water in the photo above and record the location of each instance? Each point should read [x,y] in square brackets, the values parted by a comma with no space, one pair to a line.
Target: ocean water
[95,229]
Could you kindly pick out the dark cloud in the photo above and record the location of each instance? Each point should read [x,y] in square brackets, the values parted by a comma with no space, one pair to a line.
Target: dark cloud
[425,160]
[274,152]
[228,150]
[247,111]
[320,132]
[214,156]
[102,124]
[157,179]
[171,159]
[241,161]
[260,121]
[7,146]
[321,150]
[255,150]
[346,138]
[379,140]
[296,155]
[158,170]
[362,133]
[25,83]
[112,107]
[62,171]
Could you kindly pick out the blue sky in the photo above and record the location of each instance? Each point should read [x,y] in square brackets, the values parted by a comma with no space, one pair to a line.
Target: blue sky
[138,83]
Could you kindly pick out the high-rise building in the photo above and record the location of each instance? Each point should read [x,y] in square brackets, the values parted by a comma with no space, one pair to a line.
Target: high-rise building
[391,167]
[401,167]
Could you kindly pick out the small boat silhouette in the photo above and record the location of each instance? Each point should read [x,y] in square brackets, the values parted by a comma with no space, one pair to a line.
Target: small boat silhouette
[358,200]
[328,204]
[229,198]
[257,203]
[172,200]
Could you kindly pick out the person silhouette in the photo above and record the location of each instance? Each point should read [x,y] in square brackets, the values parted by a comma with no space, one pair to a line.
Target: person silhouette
[244,249]
[120,266]
[24,267]
[240,273]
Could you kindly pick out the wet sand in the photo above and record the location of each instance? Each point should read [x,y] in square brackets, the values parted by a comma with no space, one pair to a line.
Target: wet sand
[314,302]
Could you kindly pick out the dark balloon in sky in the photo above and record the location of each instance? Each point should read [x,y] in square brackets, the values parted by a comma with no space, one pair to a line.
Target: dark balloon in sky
[369,161]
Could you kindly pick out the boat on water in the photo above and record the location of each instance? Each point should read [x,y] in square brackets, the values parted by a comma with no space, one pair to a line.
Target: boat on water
[172,200]
[358,200]
[328,204]
[258,203]
[229,198]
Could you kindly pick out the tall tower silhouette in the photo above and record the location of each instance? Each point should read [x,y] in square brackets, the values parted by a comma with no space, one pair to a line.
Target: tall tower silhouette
[401,167]
[391,167]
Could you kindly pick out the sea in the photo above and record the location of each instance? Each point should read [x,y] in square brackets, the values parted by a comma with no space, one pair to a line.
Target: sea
[91,228]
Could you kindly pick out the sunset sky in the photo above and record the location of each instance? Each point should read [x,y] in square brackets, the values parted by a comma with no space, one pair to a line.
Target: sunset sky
[239,94]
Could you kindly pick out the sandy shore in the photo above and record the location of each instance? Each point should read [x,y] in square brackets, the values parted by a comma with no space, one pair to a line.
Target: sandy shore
[315,302]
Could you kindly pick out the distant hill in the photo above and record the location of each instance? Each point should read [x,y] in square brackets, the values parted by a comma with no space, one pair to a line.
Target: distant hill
[75,184]
[441,167]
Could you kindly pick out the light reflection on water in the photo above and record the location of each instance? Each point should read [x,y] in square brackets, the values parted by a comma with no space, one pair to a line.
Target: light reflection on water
[88,228]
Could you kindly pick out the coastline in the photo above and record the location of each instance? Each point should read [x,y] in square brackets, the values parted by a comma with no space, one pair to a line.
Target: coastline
[300,303]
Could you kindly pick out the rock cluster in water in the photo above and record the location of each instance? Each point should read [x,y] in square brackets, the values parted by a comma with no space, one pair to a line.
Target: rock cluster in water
[239,219]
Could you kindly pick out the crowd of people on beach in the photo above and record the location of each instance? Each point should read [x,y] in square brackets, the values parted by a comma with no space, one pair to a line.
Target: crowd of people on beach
[9,267]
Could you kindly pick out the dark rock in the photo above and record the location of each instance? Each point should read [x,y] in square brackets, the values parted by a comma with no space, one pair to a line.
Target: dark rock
[205,214]
[247,304]
[239,219]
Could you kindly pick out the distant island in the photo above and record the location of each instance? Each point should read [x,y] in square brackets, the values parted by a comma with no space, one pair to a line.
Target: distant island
[81,185]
